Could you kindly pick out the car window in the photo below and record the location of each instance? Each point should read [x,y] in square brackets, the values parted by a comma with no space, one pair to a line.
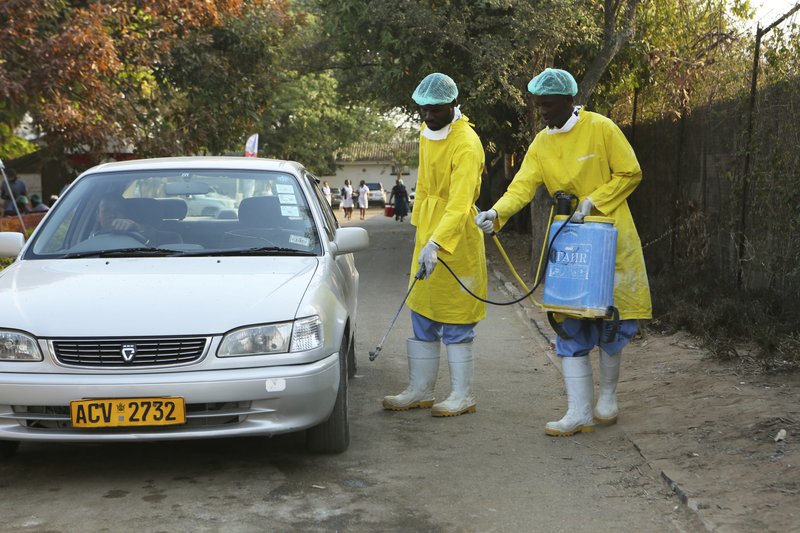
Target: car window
[375,186]
[187,212]
[329,219]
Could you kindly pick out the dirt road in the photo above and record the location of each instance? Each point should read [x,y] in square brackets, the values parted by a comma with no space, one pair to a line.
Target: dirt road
[494,470]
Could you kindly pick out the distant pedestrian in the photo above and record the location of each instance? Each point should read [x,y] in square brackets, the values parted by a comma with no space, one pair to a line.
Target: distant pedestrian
[347,200]
[37,206]
[400,196]
[18,188]
[23,204]
[363,199]
[326,192]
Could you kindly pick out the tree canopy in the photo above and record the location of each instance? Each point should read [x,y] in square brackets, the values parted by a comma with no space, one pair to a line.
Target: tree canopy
[179,76]
[169,77]
[85,71]
[493,48]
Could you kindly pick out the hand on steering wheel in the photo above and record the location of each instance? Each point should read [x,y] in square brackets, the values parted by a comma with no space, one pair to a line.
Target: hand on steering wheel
[125,225]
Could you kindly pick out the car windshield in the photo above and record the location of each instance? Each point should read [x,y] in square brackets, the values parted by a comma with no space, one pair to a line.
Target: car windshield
[374,186]
[179,213]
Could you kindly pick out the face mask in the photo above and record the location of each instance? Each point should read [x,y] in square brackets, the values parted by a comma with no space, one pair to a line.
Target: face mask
[569,124]
[442,134]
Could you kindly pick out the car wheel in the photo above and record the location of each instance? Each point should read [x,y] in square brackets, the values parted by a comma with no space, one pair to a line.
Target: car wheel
[333,435]
[8,448]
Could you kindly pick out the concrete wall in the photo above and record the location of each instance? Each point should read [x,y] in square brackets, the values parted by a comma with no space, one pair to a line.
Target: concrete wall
[370,171]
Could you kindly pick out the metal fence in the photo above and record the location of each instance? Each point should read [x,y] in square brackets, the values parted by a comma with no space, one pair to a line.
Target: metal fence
[689,208]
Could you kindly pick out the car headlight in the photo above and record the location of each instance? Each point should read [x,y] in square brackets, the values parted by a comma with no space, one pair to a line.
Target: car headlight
[16,346]
[307,334]
[300,335]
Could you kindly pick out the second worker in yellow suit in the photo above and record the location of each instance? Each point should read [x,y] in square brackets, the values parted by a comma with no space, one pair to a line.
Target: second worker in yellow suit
[584,154]
[451,161]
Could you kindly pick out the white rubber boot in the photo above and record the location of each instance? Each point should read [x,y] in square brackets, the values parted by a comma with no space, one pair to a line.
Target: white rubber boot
[578,382]
[460,401]
[423,368]
[606,410]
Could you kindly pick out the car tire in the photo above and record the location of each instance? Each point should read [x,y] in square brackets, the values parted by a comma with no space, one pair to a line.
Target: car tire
[8,448]
[333,435]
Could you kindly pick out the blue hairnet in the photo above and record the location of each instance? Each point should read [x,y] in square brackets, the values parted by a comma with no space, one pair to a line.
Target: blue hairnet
[553,81]
[435,89]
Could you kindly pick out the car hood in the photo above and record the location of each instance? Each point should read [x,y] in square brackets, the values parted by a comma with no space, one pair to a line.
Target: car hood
[151,297]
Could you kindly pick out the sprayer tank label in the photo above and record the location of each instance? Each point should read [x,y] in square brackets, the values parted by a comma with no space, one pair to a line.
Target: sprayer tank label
[570,262]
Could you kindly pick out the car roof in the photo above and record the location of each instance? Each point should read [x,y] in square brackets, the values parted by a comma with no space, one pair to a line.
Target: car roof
[205,162]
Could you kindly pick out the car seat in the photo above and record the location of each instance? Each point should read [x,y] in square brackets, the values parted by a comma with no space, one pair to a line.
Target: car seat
[260,212]
[151,213]
[260,224]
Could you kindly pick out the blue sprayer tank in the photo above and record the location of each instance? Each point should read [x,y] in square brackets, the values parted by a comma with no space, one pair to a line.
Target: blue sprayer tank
[579,279]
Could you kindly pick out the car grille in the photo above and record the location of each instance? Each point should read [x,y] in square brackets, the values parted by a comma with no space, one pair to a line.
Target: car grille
[129,352]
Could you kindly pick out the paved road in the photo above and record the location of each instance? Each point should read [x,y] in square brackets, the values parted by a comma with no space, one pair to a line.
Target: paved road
[490,471]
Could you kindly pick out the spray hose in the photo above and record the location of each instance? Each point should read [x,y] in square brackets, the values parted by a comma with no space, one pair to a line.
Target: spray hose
[537,281]
[613,312]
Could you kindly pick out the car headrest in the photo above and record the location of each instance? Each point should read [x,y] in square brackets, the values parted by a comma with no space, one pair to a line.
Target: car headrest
[260,211]
[173,208]
[143,210]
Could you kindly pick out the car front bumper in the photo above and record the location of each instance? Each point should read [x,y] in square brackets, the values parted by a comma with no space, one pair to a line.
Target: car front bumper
[220,403]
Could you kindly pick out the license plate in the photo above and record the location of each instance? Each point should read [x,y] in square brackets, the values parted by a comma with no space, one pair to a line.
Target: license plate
[125,412]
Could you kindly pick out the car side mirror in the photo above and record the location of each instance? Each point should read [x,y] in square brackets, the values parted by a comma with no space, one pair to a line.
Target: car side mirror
[349,240]
[11,244]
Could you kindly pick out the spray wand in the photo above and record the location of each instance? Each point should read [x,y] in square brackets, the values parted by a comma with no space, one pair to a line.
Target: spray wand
[374,353]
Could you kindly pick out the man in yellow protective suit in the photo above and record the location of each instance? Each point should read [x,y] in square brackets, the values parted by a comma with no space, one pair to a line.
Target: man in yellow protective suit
[587,155]
[451,161]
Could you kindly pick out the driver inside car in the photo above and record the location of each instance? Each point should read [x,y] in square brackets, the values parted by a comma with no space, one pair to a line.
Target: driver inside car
[111,217]
[114,216]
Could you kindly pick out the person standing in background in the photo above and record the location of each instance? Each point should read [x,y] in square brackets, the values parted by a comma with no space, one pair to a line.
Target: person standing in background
[363,199]
[18,188]
[347,200]
[400,196]
[326,192]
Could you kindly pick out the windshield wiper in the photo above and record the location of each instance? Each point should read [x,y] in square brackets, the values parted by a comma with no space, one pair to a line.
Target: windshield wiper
[263,250]
[124,252]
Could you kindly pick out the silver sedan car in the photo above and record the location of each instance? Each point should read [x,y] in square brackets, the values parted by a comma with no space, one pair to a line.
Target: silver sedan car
[129,316]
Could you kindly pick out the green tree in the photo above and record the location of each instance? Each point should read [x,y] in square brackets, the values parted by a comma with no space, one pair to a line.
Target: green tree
[683,53]
[306,122]
[218,82]
[88,71]
[491,48]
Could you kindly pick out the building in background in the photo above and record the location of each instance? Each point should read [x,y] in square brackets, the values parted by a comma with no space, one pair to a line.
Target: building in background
[377,162]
